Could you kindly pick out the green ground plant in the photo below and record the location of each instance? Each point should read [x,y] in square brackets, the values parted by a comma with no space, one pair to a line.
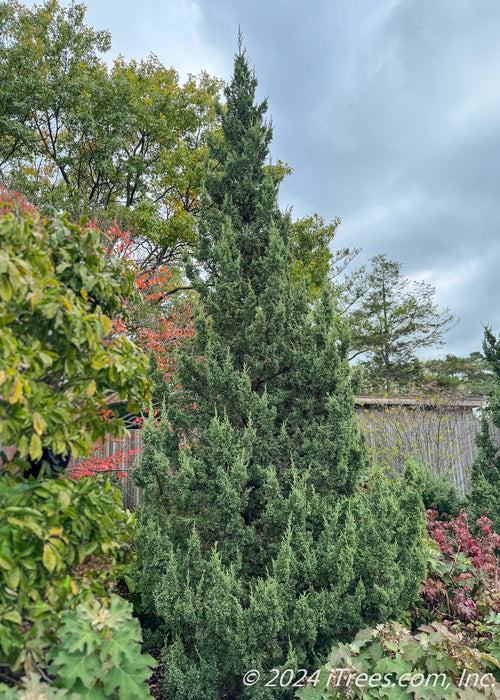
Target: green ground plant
[99,651]
[97,656]
[390,663]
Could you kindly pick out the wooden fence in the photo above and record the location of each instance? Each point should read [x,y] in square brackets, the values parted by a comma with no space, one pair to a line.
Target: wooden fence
[436,433]
[440,433]
[119,457]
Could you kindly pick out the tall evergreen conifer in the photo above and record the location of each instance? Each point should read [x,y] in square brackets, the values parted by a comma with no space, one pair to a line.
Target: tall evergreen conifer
[257,548]
[485,479]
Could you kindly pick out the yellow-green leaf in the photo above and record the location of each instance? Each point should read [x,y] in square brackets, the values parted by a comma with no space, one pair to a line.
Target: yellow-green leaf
[3,377]
[84,294]
[106,324]
[67,303]
[13,578]
[16,391]
[100,362]
[5,563]
[37,424]
[15,521]
[18,663]
[22,446]
[491,659]
[91,387]
[35,449]
[13,616]
[49,558]
[14,275]
[64,499]
[5,289]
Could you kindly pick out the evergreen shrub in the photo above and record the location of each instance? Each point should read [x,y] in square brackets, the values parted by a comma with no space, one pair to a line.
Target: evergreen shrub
[437,489]
[259,543]
[484,498]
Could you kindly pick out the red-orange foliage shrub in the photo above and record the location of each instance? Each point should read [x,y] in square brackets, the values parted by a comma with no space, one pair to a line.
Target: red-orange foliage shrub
[12,201]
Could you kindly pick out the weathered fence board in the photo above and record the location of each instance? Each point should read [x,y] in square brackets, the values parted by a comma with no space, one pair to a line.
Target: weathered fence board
[120,456]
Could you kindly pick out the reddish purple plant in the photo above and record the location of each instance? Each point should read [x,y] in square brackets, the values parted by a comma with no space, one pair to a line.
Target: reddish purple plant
[467,570]
[455,536]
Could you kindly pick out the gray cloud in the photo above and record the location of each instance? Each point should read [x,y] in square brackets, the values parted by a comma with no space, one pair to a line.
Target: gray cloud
[387,111]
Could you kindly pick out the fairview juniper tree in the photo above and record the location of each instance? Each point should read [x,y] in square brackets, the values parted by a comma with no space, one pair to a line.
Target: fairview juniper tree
[484,497]
[257,545]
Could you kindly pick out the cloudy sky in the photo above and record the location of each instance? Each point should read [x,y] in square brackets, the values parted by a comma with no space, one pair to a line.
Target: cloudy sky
[388,111]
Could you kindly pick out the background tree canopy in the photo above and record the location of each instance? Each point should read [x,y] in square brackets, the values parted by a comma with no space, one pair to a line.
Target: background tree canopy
[124,143]
[391,318]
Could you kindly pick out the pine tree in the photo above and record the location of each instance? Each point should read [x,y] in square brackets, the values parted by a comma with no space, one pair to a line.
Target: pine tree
[249,548]
[391,318]
[485,478]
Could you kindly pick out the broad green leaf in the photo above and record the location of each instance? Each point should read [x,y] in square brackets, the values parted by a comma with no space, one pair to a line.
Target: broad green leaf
[5,288]
[35,448]
[16,391]
[491,659]
[131,677]
[74,666]
[6,562]
[49,558]
[13,616]
[23,446]
[37,424]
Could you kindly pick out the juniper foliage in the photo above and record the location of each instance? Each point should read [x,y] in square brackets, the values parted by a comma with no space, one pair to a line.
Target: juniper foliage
[257,547]
[485,478]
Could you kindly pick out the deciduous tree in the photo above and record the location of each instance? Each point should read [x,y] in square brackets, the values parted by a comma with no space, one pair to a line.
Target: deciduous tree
[124,143]
[313,258]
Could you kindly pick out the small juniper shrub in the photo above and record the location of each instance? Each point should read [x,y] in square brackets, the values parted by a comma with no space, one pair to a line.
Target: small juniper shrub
[441,494]
[438,491]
